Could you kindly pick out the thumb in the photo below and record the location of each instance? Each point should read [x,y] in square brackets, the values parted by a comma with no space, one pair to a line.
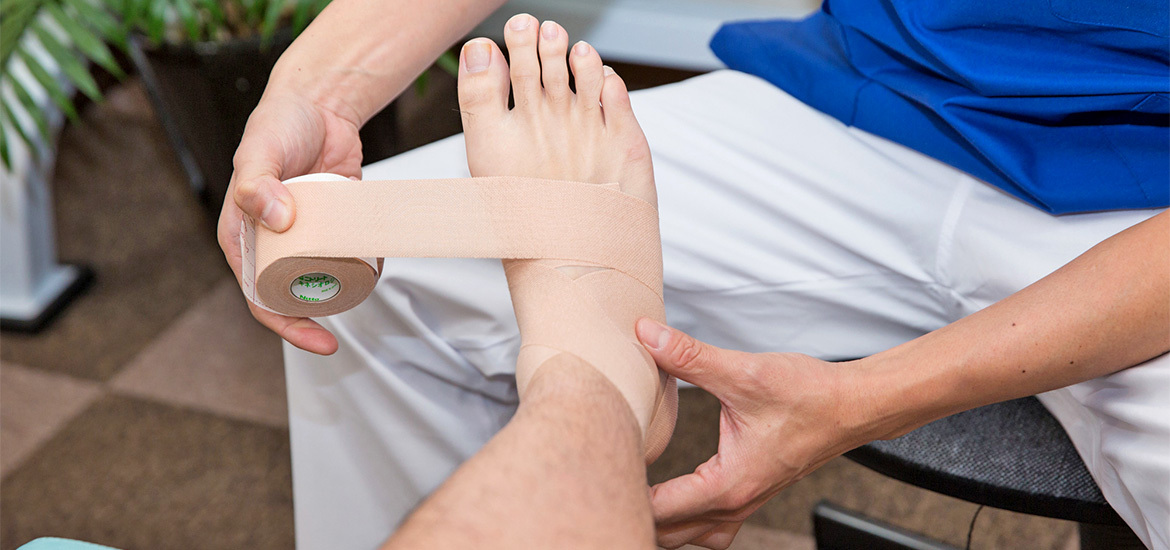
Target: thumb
[686,358]
[257,188]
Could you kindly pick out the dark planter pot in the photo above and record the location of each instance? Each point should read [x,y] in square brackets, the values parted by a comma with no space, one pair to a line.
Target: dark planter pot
[203,94]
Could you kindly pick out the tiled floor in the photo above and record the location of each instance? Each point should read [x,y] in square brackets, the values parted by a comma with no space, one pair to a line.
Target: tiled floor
[152,414]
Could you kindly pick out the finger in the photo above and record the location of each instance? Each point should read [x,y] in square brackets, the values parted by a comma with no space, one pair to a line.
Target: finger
[713,369]
[228,235]
[683,533]
[719,538]
[301,332]
[687,497]
[256,185]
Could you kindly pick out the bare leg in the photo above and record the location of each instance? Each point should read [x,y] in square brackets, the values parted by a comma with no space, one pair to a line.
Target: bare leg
[569,470]
[566,472]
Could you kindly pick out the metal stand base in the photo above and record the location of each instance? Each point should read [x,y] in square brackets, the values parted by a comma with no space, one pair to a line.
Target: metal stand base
[70,282]
[836,528]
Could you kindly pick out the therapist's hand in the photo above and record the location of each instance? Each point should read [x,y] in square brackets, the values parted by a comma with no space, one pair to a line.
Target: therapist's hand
[288,135]
[784,415]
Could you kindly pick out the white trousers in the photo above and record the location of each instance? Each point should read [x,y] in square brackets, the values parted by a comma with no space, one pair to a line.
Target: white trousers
[782,230]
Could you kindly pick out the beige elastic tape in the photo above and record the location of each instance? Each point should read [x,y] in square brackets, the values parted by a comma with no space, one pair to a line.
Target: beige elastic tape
[583,263]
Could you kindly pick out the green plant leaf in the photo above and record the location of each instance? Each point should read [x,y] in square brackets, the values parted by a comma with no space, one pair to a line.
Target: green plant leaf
[421,83]
[156,20]
[302,13]
[31,108]
[448,62]
[7,7]
[190,18]
[5,156]
[33,147]
[98,16]
[85,40]
[69,63]
[12,28]
[48,83]
[254,13]
[272,15]
[213,21]
[133,13]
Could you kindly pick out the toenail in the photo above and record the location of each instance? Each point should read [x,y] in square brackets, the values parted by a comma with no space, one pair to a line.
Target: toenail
[607,70]
[519,22]
[549,30]
[581,48]
[477,55]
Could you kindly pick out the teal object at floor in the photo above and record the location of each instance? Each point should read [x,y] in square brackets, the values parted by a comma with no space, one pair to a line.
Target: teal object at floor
[51,543]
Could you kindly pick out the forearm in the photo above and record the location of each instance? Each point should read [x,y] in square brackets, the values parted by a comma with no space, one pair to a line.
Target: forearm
[358,55]
[1107,310]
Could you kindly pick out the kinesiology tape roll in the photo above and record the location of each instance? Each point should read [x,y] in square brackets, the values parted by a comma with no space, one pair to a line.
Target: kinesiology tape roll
[583,263]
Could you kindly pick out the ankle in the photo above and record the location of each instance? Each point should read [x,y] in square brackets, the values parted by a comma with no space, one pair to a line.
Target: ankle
[568,385]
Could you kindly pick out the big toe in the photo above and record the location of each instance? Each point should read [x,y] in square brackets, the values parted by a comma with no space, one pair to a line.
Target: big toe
[483,82]
[615,101]
[622,126]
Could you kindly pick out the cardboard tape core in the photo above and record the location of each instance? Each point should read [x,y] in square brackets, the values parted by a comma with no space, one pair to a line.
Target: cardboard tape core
[315,287]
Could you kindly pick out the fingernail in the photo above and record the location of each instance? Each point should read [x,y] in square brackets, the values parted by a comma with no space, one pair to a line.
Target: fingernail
[607,70]
[652,333]
[276,215]
[477,54]
[519,22]
[549,30]
[581,48]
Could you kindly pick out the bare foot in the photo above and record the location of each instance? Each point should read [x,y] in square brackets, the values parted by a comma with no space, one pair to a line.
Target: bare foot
[553,132]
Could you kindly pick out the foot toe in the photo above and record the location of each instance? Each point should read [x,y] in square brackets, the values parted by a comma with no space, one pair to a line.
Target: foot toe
[554,45]
[483,80]
[520,36]
[615,100]
[587,74]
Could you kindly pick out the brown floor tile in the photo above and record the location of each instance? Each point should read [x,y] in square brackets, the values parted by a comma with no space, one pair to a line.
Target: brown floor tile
[123,207]
[857,488]
[140,475]
[34,404]
[755,537]
[215,357]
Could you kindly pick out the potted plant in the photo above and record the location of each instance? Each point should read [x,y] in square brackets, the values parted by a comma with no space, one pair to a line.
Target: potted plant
[204,64]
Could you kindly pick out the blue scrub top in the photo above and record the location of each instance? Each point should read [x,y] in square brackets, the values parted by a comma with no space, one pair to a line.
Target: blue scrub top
[1062,103]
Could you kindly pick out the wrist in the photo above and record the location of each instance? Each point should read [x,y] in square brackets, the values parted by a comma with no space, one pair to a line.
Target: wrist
[331,89]
[894,396]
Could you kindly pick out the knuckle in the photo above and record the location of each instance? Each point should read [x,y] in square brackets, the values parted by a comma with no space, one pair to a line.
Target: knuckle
[247,190]
[687,352]
[558,76]
[521,77]
[750,367]
[474,95]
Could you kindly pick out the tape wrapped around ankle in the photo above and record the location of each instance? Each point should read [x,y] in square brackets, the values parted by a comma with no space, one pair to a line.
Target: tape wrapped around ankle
[539,227]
